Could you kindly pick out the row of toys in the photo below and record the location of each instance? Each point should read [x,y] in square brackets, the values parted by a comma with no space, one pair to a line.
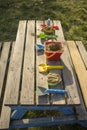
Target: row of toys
[53,50]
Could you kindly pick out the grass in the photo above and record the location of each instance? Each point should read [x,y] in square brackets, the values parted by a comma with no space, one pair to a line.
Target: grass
[71,13]
[61,127]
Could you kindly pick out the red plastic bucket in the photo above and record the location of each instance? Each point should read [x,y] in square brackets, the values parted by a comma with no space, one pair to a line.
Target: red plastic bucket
[53,55]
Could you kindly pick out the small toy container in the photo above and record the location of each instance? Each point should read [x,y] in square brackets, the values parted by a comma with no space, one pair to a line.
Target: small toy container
[53,50]
[49,30]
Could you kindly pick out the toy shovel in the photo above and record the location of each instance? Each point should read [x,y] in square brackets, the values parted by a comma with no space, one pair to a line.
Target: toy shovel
[44,68]
[39,47]
[43,91]
[44,36]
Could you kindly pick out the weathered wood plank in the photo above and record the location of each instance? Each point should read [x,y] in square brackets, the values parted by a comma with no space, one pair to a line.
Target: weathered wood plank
[79,68]
[3,63]
[60,31]
[69,78]
[82,51]
[81,109]
[41,79]
[27,92]
[57,98]
[12,49]
[6,111]
[5,117]
[13,82]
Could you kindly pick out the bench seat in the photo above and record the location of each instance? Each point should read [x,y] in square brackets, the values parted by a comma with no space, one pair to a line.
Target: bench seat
[5,57]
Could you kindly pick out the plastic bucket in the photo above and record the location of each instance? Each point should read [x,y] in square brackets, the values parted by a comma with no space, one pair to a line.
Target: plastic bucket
[53,55]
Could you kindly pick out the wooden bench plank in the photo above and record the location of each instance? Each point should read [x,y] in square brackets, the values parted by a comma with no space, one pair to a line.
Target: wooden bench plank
[69,78]
[82,51]
[5,117]
[81,110]
[27,92]
[13,82]
[3,63]
[41,79]
[79,68]
[6,111]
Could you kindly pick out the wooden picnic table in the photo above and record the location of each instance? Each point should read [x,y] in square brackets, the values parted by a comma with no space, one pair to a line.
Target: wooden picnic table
[24,79]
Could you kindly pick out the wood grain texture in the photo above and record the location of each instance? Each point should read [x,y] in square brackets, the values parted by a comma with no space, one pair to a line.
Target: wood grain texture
[60,35]
[82,51]
[81,109]
[57,98]
[27,92]
[79,68]
[41,79]
[3,63]
[6,111]
[13,82]
[5,117]
[69,78]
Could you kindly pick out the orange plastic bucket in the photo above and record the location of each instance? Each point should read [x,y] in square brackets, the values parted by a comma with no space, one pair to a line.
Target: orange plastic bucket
[53,55]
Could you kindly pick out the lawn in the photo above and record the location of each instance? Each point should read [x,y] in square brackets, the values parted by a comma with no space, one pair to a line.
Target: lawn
[71,13]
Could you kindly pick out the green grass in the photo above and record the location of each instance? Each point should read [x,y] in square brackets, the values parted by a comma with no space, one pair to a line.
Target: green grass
[71,13]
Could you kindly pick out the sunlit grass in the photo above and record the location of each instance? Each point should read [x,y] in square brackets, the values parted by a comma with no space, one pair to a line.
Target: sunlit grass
[71,13]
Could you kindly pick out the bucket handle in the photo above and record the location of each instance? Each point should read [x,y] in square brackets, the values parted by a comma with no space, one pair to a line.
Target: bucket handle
[50,55]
